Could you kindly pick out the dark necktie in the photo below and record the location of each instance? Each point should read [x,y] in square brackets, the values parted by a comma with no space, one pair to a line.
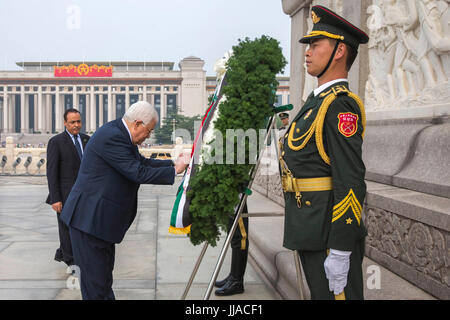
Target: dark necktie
[77,146]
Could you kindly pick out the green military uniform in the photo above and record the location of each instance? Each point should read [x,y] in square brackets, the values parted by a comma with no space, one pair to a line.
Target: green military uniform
[323,182]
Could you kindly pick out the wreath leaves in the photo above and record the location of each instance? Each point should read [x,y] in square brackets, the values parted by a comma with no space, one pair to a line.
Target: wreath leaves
[250,94]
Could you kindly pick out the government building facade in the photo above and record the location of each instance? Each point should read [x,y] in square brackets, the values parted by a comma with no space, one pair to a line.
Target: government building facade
[33,99]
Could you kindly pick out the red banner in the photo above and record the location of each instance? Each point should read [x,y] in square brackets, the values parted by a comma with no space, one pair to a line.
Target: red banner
[83,70]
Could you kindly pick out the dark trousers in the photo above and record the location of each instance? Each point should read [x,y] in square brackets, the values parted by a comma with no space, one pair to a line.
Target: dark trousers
[239,246]
[95,258]
[64,252]
[312,263]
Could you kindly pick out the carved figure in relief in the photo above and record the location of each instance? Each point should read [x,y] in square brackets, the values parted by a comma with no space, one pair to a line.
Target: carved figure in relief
[431,41]
[409,52]
[379,88]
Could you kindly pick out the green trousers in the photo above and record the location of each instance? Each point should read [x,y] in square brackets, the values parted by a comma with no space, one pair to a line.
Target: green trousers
[312,263]
[239,245]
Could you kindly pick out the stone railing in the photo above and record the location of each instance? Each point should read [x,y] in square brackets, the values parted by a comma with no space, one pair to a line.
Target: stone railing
[32,161]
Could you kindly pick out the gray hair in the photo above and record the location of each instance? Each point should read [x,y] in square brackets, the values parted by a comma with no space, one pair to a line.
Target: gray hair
[141,110]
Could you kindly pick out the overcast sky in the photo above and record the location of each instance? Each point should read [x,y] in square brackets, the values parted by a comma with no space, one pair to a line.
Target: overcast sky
[134,30]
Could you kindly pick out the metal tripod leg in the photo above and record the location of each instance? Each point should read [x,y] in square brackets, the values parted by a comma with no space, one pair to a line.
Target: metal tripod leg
[223,252]
[230,233]
[194,272]
[237,216]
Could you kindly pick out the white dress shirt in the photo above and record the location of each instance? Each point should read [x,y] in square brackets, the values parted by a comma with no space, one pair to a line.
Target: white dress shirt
[73,140]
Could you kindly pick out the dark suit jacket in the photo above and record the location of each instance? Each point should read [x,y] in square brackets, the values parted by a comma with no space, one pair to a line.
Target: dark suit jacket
[103,201]
[63,164]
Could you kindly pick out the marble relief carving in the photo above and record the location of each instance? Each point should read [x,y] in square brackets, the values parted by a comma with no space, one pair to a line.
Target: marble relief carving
[409,53]
[422,247]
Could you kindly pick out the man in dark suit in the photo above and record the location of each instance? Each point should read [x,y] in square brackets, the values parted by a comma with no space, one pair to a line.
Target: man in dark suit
[103,202]
[64,154]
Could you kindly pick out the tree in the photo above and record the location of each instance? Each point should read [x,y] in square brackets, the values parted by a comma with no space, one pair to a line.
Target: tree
[164,134]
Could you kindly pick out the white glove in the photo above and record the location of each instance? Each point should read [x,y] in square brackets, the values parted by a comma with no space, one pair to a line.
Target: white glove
[336,267]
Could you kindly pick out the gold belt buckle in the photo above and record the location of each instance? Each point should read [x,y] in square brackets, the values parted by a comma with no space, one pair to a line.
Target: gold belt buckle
[286,183]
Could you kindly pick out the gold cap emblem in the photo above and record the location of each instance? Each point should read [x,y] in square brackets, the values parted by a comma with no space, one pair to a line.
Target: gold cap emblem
[314,17]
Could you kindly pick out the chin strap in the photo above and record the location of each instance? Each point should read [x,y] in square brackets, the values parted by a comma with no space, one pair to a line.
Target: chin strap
[331,59]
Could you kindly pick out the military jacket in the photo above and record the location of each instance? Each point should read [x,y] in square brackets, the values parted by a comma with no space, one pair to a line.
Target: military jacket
[325,140]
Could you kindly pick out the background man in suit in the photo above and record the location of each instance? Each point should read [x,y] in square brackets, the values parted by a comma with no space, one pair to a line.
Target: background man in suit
[64,154]
[103,202]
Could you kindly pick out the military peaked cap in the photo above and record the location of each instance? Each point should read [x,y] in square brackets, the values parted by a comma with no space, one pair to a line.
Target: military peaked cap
[329,24]
[283,115]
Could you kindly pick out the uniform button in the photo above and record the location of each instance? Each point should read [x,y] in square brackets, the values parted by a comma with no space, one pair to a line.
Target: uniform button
[282,153]
[298,130]
[286,136]
[308,203]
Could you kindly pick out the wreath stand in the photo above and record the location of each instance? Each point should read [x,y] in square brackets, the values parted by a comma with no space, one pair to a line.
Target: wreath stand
[239,214]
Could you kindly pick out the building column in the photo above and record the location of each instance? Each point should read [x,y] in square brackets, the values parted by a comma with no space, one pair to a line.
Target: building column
[5,109]
[58,112]
[35,110]
[144,93]
[40,126]
[22,109]
[100,110]
[110,104]
[87,114]
[11,113]
[114,106]
[127,98]
[163,105]
[74,98]
[93,109]
[49,113]
[27,113]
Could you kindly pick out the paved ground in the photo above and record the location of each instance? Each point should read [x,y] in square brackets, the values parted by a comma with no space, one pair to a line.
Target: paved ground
[150,263]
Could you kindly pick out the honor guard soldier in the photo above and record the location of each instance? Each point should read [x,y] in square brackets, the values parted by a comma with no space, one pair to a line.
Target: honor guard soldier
[321,164]
[284,117]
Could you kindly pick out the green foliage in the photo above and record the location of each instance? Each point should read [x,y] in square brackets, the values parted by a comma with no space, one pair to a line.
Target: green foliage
[164,133]
[250,94]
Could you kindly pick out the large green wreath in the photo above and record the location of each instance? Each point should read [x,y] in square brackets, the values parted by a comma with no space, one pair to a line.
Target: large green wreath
[250,93]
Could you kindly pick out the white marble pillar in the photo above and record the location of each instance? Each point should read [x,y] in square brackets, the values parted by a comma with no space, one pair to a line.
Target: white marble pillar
[110,104]
[5,110]
[144,93]
[22,110]
[74,98]
[114,106]
[93,109]
[100,110]
[127,98]
[58,111]
[40,113]
[48,113]
[12,113]
[35,111]
[87,114]
[163,105]
[27,113]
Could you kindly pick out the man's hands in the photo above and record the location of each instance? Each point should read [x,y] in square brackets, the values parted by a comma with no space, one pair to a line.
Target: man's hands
[182,162]
[337,265]
[57,206]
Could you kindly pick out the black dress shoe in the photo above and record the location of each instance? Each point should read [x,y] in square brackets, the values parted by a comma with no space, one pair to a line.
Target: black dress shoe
[221,283]
[232,286]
